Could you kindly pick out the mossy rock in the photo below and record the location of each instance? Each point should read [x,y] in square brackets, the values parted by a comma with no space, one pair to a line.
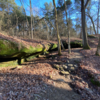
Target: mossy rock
[19,67]
[75,44]
[61,69]
[70,65]
[13,63]
[9,49]
[9,63]
[78,41]
[52,47]
[72,68]
[92,36]
[64,73]
[31,49]
[31,57]
[56,66]
[65,67]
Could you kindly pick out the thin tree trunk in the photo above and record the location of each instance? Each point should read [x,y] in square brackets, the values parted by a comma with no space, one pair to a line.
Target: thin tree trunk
[86,28]
[69,49]
[47,30]
[98,48]
[90,30]
[16,25]
[8,21]
[57,30]
[33,25]
[26,18]
[2,16]
[98,16]
[31,19]
[81,33]
[85,41]
[23,30]
[59,34]
[92,24]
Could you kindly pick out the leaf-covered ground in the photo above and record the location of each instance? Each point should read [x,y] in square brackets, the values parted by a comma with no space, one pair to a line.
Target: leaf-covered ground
[36,80]
[89,71]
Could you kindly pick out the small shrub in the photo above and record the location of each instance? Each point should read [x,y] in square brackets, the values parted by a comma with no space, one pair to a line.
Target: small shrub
[95,82]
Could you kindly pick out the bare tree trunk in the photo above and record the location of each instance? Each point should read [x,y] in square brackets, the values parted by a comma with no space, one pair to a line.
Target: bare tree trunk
[57,30]
[81,33]
[98,16]
[59,34]
[92,24]
[85,41]
[31,19]
[2,16]
[86,28]
[26,18]
[8,20]
[23,30]
[47,30]
[69,49]
[90,30]
[98,47]
[16,26]
[33,25]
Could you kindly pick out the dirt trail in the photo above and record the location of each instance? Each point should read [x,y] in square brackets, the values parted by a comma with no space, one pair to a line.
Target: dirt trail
[61,89]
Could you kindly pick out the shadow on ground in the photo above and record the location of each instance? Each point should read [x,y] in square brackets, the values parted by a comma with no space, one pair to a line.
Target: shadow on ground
[20,86]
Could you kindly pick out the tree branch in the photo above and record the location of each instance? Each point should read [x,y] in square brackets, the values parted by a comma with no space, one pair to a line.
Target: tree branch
[92,23]
[87,3]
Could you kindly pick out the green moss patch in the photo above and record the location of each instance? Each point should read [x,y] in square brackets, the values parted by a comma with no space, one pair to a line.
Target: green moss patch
[92,36]
[76,44]
[10,63]
[13,63]
[53,47]
[95,82]
[9,49]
